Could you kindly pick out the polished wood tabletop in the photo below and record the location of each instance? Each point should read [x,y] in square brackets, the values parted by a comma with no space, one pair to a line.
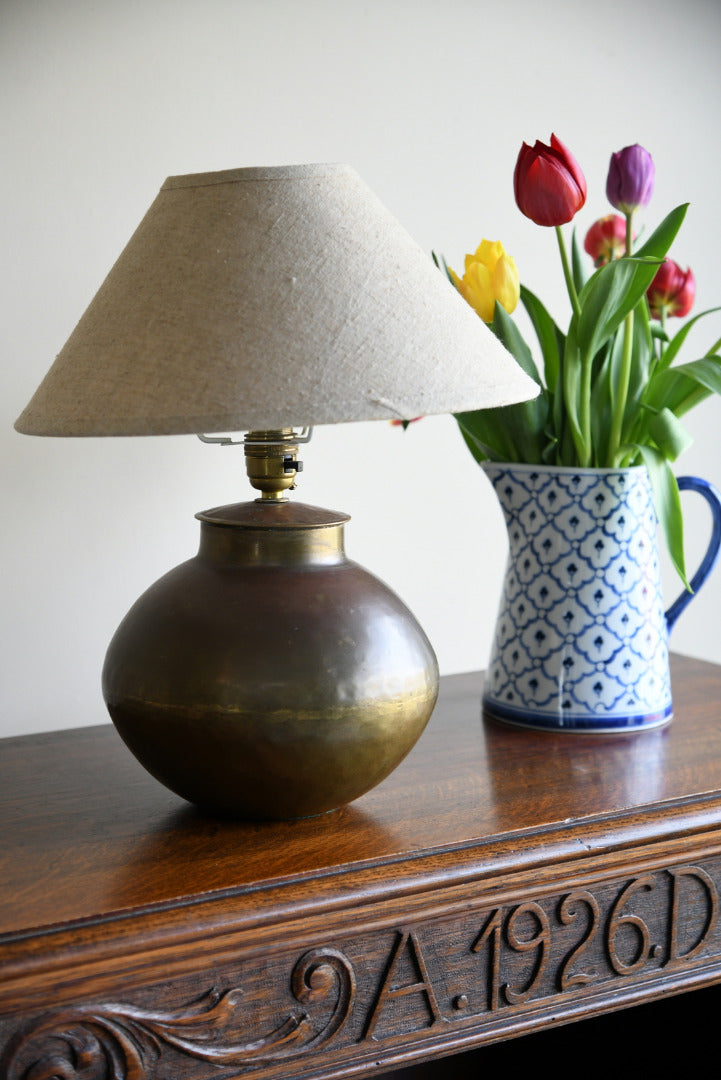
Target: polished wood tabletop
[85,830]
[499,881]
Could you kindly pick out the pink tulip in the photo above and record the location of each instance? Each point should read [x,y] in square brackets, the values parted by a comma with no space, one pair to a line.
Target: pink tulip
[672,291]
[606,239]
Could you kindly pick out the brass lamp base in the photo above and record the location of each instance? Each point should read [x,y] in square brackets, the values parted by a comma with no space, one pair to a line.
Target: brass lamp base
[269,677]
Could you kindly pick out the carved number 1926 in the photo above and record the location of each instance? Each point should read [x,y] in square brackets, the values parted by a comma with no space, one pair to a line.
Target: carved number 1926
[526,928]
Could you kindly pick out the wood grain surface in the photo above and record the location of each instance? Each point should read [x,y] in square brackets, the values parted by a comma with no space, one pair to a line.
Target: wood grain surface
[500,881]
[86,831]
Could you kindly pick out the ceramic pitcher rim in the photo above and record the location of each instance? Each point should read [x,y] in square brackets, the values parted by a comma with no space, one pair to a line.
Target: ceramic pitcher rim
[563,469]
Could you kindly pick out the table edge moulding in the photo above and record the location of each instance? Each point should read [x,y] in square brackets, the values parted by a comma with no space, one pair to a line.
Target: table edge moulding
[498,883]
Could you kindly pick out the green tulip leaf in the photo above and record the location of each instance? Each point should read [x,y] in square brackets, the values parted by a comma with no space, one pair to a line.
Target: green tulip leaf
[486,438]
[680,388]
[578,266]
[672,349]
[669,434]
[602,397]
[706,372]
[660,240]
[667,501]
[442,265]
[510,432]
[479,451]
[617,288]
[550,337]
[639,374]
[509,335]
[572,398]
[609,296]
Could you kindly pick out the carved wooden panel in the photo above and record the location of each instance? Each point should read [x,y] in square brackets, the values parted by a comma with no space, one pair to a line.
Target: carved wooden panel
[364,996]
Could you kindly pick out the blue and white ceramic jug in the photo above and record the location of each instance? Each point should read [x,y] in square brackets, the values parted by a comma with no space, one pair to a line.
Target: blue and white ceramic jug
[581,640]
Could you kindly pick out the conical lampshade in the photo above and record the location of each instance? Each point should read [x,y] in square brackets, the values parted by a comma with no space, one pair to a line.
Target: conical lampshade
[266,297]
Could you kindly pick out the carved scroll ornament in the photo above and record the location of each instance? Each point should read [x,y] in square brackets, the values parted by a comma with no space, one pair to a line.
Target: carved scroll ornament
[121,1042]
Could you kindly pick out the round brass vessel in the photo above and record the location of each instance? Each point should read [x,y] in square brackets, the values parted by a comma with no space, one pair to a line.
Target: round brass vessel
[269,677]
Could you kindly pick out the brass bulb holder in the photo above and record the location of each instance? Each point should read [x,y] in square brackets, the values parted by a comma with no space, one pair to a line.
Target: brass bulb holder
[269,677]
[271,462]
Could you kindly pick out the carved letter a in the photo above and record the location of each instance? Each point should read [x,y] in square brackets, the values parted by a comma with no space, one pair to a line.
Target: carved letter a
[406,939]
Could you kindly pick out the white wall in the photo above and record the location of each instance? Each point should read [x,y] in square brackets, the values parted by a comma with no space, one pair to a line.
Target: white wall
[430,101]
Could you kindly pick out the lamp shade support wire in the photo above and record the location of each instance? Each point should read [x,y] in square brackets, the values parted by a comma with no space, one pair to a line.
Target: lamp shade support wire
[303,436]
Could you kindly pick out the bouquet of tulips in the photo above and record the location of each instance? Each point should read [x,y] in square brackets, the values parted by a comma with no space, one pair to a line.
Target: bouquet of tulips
[610,394]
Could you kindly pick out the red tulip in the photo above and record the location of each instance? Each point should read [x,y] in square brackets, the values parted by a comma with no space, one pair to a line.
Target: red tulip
[606,239]
[672,291]
[548,183]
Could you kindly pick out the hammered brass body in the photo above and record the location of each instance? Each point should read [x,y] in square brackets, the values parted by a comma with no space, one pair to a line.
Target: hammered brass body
[270,677]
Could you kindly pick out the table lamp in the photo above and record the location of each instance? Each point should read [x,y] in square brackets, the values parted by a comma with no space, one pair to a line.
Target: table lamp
[269,677]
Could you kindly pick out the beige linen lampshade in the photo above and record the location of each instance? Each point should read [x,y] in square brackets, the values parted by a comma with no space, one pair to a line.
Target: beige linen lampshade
[259,298]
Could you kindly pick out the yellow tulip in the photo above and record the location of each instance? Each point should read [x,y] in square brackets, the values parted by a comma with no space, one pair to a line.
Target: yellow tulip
[489,275]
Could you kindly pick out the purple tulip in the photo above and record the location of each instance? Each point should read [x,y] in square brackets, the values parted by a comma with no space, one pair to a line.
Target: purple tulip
[630,178]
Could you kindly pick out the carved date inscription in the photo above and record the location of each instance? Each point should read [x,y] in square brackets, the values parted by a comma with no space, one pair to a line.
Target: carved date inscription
[396,984]
[630,935]
[546,947]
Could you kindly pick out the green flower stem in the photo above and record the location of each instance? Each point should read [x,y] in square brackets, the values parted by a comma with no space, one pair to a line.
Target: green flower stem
[583,450]
[584,416]
[619,405]
[629,232]
[570,284]
[714,348]
[662,320]
[615,452]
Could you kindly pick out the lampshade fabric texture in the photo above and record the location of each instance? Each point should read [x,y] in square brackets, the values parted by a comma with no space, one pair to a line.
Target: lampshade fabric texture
[259,298]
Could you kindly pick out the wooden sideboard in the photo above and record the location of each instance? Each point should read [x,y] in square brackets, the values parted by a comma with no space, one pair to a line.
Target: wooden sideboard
[500,882]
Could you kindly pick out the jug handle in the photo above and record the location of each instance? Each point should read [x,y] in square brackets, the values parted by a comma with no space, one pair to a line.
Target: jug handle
[713,498]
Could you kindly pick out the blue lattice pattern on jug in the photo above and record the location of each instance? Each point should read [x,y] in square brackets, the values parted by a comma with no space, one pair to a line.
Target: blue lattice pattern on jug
[581,636]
